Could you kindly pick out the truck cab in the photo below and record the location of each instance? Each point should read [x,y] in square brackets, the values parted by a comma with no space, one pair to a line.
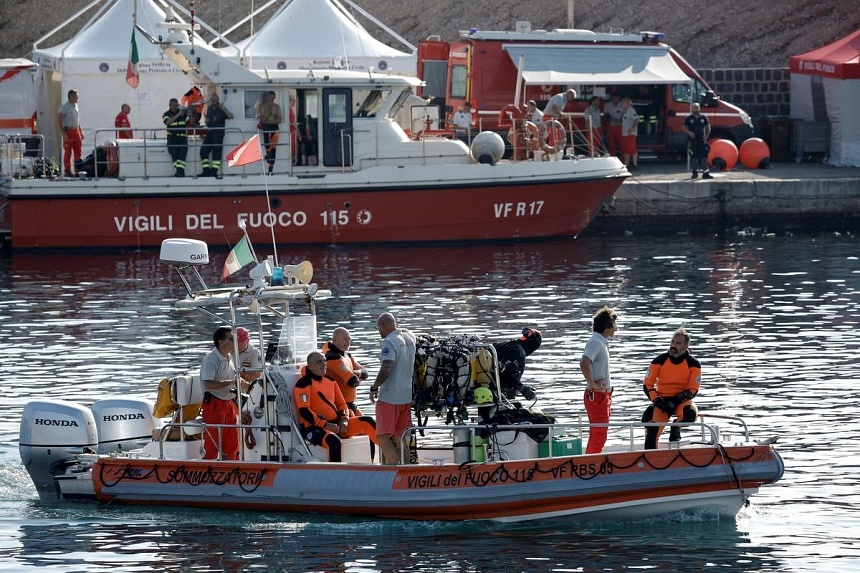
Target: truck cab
[494,70]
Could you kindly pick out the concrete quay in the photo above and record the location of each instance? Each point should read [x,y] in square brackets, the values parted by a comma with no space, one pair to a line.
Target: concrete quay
[662,199]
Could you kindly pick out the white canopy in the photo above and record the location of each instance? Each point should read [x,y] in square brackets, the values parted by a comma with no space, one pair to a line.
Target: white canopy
[94,62]
[596,65]
[319,34]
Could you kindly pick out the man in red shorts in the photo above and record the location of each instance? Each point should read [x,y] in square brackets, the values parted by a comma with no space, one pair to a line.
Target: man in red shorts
[629,128]
[393,387]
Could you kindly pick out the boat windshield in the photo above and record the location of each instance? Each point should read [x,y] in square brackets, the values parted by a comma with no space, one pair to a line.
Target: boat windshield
[401,101]
[369,102]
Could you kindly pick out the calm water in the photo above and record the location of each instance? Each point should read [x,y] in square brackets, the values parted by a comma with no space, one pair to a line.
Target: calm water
[774,321]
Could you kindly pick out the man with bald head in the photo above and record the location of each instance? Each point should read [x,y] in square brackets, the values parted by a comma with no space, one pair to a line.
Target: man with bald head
[393,387]
[343,368]
[555,106]
[322,411]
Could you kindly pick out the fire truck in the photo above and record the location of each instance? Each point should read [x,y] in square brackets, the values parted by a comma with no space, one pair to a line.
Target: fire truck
[495,70]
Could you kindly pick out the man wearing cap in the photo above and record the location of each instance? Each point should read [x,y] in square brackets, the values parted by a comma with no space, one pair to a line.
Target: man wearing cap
[249,359]
[598,383]
[343,368]
[322,412]
[218,376]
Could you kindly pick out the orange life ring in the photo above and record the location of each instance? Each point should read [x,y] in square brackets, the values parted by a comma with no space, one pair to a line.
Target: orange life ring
[509,115]
[555,135]
[112,159]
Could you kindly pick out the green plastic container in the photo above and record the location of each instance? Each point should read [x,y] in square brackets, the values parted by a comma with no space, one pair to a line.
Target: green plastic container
[561,446]
[480,449]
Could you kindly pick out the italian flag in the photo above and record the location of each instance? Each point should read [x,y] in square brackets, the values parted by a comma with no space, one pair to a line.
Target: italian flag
[132,73]
[238,258]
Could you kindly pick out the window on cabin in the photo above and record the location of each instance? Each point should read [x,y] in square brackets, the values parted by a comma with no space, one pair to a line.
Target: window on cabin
[458,82]
[368,102]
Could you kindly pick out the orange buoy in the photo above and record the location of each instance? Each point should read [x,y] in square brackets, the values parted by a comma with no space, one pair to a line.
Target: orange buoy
[755,154]
[723,155]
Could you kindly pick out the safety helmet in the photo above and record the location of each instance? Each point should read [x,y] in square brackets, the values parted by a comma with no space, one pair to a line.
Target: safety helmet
[482,396]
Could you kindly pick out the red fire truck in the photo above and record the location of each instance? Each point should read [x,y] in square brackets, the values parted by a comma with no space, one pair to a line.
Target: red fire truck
[498,69]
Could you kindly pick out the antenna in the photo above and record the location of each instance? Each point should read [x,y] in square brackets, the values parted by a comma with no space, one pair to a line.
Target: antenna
[193,13]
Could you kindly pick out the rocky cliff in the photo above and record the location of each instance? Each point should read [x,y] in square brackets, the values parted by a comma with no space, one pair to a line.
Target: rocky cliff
[709,34]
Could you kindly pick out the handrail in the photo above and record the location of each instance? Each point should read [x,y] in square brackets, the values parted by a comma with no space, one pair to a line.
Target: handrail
[158,135]
[709,433]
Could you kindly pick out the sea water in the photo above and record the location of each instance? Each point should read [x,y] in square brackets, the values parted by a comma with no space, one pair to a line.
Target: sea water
[774,323]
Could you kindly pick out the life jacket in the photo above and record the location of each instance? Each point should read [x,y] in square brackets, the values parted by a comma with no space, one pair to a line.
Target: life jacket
[317,403]
[164,400]
[341,367]
[193,99]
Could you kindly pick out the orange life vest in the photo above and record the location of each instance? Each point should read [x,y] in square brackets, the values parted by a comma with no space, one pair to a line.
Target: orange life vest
[318,401]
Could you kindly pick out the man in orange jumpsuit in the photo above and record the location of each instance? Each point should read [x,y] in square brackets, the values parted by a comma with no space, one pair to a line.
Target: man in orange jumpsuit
[322,412]
[672,381]
[343,368]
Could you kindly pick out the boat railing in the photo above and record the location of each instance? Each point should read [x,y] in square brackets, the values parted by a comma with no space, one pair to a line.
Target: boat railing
[578,139]
[195,436]
[22,155]
[632,434]
[451,437]
[156,137]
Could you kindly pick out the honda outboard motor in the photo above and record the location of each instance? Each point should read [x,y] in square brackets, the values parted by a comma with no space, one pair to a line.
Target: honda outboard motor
[123,424]
[52,433]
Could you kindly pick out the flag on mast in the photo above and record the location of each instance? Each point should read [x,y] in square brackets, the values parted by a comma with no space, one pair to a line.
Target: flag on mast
[245,153]
[132,72]
[238,258]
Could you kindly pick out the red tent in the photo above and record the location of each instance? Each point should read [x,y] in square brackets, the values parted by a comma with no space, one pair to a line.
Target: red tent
[841,59]
[825,90]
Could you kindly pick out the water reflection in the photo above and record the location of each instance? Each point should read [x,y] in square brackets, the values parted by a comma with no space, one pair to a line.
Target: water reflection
[774,324]
[215,541]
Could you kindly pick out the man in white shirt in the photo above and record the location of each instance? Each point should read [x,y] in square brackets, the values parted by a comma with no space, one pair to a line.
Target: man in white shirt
[598,382]
[533,114]
[463,121]
[555,107]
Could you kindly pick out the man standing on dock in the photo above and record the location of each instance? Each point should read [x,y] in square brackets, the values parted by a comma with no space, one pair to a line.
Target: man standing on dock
[393,387]
[613,111]
[629,129]
[698,129]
